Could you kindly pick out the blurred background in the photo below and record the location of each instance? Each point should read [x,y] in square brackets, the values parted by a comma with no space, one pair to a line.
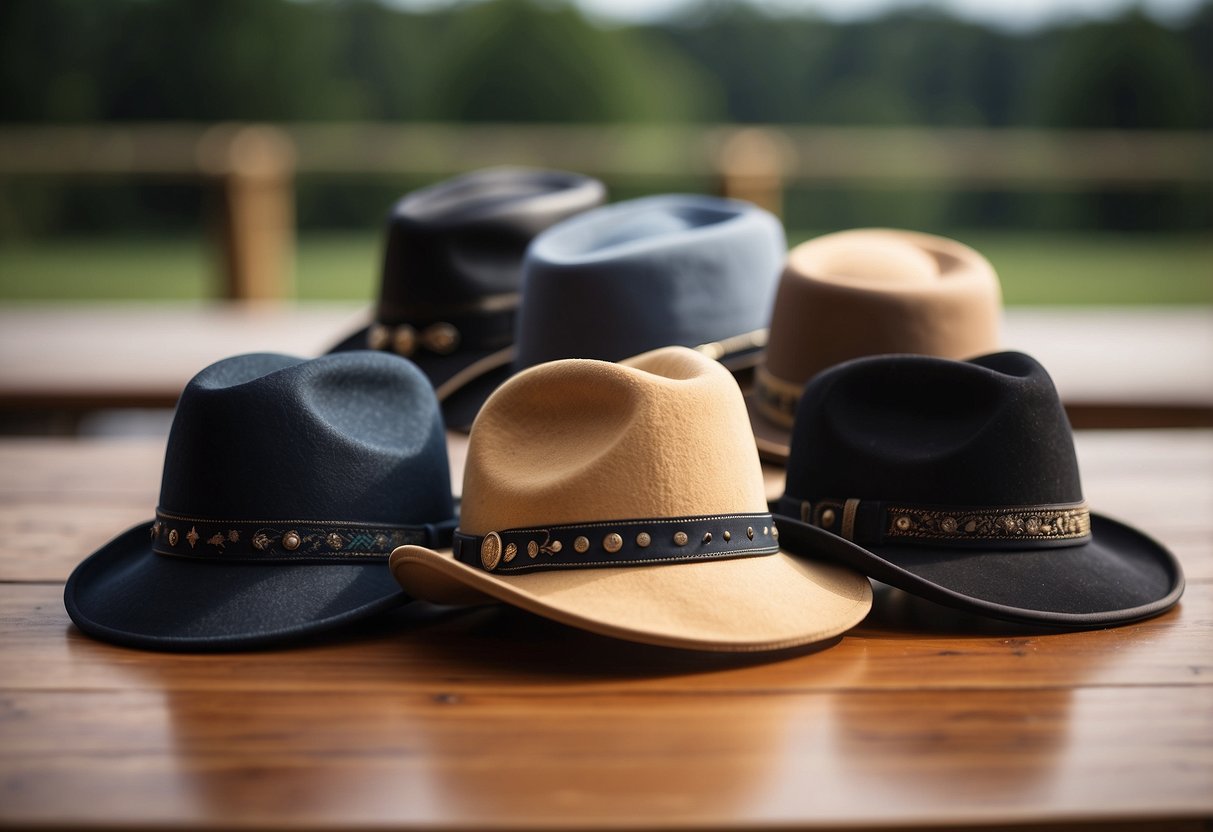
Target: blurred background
[175,149]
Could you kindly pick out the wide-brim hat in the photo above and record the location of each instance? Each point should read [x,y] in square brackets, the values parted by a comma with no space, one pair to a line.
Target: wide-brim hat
[449,288]
[627,499]
[623,279]
[286,485]
[868,291]
[958,481]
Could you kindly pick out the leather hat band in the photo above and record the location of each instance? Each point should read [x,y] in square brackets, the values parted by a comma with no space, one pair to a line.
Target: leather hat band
[882,521]
[619,543]
[487,324]
[777,398]
[278,540]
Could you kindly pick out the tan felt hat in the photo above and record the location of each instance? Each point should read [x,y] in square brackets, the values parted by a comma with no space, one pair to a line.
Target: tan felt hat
[869,291]
[627,499]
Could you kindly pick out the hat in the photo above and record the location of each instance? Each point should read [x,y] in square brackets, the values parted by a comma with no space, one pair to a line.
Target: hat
[286,485]
[627,499]
[869,291]
[448,294]
[957,481]
[692,271]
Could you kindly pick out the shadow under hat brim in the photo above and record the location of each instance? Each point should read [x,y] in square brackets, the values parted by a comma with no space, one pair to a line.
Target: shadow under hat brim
[461,404]
[126,594]
[749,604]
[1120,576]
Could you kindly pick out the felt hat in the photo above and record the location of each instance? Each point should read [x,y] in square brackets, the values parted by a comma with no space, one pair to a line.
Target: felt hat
[957,481]
[669,270]
[448,294]
[868,291]
[627,499]
[286,485]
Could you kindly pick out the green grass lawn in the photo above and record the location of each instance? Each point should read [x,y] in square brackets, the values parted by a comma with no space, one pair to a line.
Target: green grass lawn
[1035,268]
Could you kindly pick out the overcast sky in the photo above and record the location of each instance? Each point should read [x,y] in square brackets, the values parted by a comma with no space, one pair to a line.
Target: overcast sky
[1007,14]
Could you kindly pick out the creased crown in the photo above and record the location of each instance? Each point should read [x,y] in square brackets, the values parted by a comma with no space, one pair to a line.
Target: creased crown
[464,238]
[875,291]
[635,276]
[353,436]
[664,434]
[985,432]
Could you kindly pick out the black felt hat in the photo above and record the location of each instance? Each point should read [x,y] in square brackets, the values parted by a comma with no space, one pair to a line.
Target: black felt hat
[957,481]
[623,279]
[448,293]
[287,483]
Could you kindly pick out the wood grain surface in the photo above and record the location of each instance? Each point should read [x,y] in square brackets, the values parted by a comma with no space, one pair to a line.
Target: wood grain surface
[433,718]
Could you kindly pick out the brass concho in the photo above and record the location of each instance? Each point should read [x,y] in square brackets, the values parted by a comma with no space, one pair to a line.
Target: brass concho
[490,551]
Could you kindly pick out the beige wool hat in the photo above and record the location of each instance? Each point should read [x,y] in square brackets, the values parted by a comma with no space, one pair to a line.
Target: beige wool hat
[869,291]
[627,499]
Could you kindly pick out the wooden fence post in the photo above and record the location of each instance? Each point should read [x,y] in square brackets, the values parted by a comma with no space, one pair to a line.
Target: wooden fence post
[752,162]
[255,166]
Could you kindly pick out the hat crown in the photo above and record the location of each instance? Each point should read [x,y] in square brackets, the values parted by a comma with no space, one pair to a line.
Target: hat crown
[353,437]
[930,431]
[664,434]
[877,291]
[464,238]
[648,273]
[850,259]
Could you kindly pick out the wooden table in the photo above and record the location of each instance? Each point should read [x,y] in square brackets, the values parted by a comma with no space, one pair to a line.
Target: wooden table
[1114,367]
[439,719]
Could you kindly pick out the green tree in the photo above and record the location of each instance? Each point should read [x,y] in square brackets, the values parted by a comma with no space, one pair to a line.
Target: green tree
[1129,73]
[514,60]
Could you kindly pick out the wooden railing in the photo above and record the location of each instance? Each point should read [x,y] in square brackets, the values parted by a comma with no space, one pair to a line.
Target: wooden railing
[255,165]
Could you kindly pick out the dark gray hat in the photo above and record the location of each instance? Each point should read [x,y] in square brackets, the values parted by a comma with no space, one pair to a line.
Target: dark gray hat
[287,483]
[449,290]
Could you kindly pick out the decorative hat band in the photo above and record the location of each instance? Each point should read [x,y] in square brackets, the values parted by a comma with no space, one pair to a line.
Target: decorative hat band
[880,521]
[620,543]
[275,540]
[777,398]
[484,324]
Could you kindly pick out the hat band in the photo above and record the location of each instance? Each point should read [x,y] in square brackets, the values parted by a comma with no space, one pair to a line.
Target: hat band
[776,398]
[487,324]
[619,543]
[279,540]
[881,521]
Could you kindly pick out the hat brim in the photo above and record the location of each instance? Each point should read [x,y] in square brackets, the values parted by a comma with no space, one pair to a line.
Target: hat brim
[126,594]
[774,441]
[1119,577]
[742,605]
[460,399]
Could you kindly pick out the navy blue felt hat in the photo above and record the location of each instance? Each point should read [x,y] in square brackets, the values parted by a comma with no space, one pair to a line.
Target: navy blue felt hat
[623,279]
[452,265]
[957,481]
[286,485]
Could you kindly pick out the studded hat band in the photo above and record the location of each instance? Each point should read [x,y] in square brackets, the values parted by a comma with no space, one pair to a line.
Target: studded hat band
[619,543]
[777,399]
[881,521]
[485,325]
[278,540]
